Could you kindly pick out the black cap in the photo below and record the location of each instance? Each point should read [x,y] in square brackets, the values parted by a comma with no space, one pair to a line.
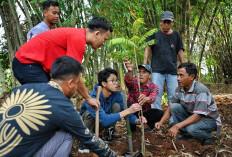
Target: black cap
[146,66]
[167,15]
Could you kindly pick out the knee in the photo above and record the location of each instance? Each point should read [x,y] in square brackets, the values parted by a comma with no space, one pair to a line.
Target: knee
[65,135]
[175,107]
[191,130]
[116,108]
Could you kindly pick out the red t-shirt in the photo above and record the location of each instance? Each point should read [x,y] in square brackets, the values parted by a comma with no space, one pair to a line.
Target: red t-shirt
[45,47]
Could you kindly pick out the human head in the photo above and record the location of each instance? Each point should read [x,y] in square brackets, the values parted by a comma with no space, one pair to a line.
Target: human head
[66,71]
[100,30]
[144,73]
[187,72]
[167,21]
[107,78]
[51,12]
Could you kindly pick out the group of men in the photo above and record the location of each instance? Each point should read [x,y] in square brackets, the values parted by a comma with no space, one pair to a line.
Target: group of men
[38,118]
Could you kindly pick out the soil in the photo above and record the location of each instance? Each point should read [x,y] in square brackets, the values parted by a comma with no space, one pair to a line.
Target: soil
[158,144]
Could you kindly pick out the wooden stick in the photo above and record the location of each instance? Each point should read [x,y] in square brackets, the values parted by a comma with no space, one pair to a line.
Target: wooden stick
[99,89]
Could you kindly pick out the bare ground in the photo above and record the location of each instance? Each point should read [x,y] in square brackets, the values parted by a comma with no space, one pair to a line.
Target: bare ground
[159,144]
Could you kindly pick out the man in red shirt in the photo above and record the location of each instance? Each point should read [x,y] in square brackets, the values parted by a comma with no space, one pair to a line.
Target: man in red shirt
[147,94]
[32,62]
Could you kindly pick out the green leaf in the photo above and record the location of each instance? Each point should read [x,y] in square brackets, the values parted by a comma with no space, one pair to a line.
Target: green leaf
[149,33]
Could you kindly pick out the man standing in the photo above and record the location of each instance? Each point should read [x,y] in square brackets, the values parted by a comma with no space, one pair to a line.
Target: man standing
[147,94]
[51,17]
[164,57]
[193,108]
[32,62]
[38,118]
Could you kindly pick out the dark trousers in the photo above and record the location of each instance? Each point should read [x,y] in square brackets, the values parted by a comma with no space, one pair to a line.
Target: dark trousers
[152,116]
[29,73]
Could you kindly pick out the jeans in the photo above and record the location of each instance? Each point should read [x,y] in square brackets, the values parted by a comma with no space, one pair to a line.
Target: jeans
[58,146]
[159,79]
[201,129]
[29,73]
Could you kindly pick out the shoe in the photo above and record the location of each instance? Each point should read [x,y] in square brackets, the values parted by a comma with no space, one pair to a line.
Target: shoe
[82,149]
[207,142]
[180,137]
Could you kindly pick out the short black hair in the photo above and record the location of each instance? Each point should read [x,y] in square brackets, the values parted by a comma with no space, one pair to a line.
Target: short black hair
[190,68]
[49,3]
[65,66]
[99,23]
[105,74]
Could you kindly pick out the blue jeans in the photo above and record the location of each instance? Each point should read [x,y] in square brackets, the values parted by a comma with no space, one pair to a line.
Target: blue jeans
[201,129]
[159,79]
[58,146]
[29,73]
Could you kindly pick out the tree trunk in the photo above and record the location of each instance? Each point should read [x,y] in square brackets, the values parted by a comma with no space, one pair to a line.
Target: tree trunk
[197,27]
[188,30]
[2,81]
[205,40]
[28,17]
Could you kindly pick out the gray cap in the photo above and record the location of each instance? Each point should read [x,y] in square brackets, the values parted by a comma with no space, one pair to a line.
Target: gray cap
[167,15]
[146,66]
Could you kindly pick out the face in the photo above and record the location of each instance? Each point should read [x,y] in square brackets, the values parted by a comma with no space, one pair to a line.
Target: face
[184,79]
[144,75]
[99,39]
[72,85]
[51,15]
[112,83]
[166,25]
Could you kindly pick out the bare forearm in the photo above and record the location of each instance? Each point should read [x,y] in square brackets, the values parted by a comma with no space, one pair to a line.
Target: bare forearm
[166,115]
[190,120]
[146,54]
[181,56]
[124,113]
[82,89]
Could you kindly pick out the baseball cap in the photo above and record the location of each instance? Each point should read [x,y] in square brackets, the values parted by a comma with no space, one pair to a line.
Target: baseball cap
[146,66]
[167,15]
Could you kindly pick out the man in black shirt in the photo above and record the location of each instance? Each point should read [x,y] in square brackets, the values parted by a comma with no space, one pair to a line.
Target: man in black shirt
[164,57]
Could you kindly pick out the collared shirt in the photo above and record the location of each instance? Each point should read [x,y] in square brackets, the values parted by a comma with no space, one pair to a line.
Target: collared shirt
[198,100]
[39,28]
[149,90]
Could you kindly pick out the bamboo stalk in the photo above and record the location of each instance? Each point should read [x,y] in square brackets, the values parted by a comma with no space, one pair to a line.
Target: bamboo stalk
[129,134]
[140,112]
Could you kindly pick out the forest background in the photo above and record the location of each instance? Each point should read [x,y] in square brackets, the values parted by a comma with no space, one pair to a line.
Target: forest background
[205,27]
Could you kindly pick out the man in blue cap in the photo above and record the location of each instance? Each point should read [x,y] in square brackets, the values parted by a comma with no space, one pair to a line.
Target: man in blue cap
[147,94]
[164,57]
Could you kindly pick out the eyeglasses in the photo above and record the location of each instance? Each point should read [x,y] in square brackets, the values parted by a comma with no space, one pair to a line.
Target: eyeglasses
[113,81]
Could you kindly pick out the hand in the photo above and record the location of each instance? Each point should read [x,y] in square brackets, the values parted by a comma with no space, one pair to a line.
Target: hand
[142,119]
[93,103]
[129,65]
[158,125]
[143,99]
[173,131]
[134,108]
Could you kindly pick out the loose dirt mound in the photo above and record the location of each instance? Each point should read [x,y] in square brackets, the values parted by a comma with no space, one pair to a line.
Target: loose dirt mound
[159,144]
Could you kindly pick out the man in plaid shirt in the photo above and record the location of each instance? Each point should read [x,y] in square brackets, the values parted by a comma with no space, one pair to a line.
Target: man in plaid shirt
[147,94]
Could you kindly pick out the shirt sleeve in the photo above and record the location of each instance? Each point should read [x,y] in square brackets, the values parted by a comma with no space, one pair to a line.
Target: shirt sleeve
[154,92]
[179,45]
[201,104]
[69,120]
[76,46]
[105,119]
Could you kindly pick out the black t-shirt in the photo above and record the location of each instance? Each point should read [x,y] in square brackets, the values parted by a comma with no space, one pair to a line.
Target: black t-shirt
[164,52]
